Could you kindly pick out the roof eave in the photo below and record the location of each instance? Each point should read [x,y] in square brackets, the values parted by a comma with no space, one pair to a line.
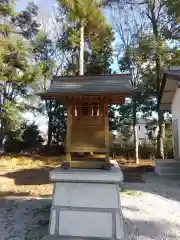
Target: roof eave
[61,95]
[173,76]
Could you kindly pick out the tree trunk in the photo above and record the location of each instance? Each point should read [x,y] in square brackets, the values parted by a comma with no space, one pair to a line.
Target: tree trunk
[49,109]
[81,55]
[160,144]
[160,137]
[49,130]
[2,122]
[136,140]
[2,136]
[136,144]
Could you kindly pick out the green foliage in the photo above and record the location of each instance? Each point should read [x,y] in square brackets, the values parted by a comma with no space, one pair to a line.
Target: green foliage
[25,138]
[43,51]
[98,54]
[28,52]
[57,122]
[6,10]
[174,9]
[168,143]
[31,136]
[113,119]
[126,150]
[26,21]
[11,118]
[16,71]
[100,58]
[87,12]
[98,36]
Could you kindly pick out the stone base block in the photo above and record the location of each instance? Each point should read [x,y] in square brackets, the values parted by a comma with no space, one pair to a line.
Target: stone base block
[167,167]
[86,204]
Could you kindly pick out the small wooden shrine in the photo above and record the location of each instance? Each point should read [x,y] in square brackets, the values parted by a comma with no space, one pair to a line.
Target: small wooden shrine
[87,99]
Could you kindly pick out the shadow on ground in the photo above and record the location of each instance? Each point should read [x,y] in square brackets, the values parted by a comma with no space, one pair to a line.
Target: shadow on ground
[37,176]
[134,174]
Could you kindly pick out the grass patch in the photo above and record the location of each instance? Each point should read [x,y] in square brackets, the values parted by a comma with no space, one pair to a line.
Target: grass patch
[130,192]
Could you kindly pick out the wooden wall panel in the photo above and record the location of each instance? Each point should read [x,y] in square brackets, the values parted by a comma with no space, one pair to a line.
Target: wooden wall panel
[88,137]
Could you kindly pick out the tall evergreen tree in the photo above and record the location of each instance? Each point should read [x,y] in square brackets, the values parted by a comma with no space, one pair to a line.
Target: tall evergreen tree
[15,70]
[97,60]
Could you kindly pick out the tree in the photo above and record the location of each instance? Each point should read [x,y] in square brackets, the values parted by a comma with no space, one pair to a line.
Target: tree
[173,7]
[26,138]
[97,60]
[168,141]
[157,16]
[129,29]
[44,54]
[6,9]
[88,15]
[15,70]
[31,136]
[157,55]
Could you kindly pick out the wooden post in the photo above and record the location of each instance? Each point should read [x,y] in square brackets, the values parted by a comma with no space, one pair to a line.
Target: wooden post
[68,134]
[106,123]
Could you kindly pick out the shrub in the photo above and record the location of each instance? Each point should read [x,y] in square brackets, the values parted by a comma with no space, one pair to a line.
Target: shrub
[146,150]
[30,138]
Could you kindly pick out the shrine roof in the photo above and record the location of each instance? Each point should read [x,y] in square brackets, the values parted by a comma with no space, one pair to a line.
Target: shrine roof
[171,82]
[99,84]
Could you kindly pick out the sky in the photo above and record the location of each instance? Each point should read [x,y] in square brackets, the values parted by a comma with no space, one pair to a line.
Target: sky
[46,4]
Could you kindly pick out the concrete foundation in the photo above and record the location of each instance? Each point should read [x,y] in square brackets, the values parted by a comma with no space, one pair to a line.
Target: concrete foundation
[167,167]
[86,204]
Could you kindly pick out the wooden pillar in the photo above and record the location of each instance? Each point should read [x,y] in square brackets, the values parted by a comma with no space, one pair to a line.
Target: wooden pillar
[106,123]
[68,134]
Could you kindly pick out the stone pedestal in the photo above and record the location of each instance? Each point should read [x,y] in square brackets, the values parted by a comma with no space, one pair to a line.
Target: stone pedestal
[86,204]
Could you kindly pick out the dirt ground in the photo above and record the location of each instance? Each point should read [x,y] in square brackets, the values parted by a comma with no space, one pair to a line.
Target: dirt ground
[29,176]
[26,176]
[133,172]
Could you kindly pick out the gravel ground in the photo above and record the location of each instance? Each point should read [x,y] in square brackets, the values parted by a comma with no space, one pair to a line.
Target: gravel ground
[23,219]
[151,211]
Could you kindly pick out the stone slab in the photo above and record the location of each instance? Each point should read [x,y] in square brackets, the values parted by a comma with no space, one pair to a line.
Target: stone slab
[85,194]
[119,226]
[52,229]
[84,224]
[114,175]
[167,167]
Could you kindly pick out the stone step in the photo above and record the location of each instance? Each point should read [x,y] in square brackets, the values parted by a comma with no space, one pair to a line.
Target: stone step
[167,167]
